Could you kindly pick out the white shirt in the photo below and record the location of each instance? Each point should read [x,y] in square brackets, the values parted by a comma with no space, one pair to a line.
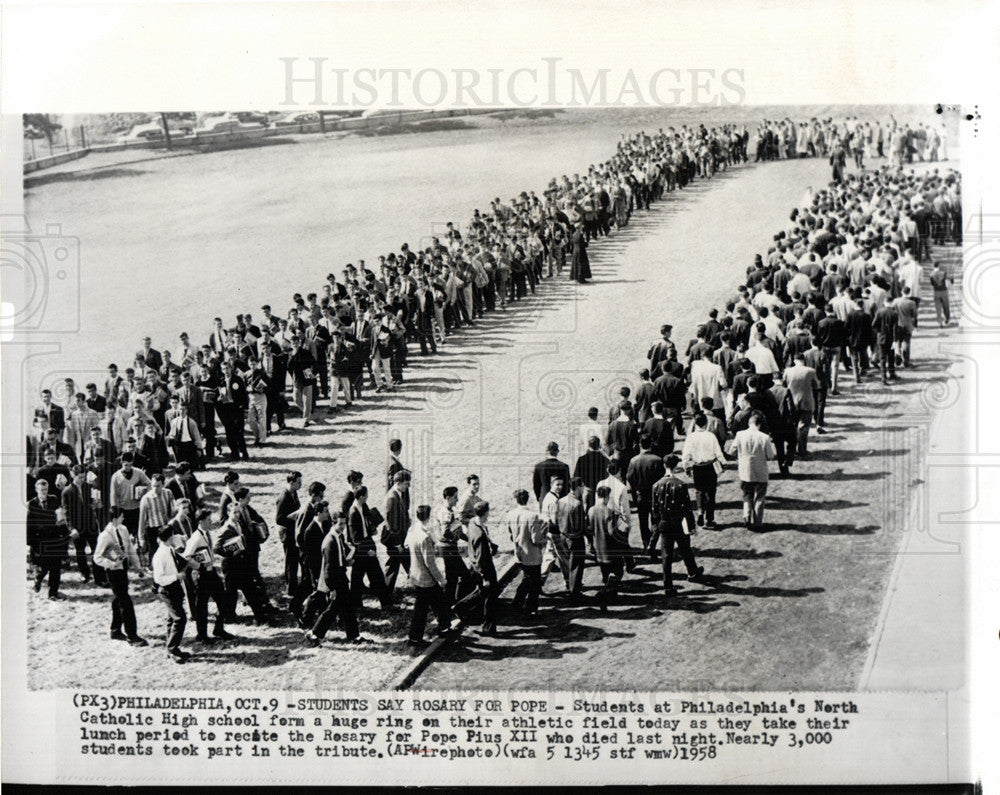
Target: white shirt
[164,568]
[701,447]
[763,359]
[619,498]
[707,379]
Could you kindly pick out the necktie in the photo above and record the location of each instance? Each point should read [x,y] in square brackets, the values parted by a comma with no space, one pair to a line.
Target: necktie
[121,543]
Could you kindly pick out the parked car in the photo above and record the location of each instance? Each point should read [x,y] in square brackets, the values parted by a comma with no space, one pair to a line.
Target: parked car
[154,131]
[297,118]
[251,117]
[220,124]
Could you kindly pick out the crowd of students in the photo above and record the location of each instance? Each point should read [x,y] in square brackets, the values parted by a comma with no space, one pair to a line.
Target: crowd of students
[839,288]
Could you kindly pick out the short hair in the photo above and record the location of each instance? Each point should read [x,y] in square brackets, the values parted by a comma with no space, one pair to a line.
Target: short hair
[164,533]
[242,493]
[602,492]
[645,442]
[592,412]
[230,477]
[362,492]
[293,475]
[657,406]
[395,445]
[402,476]
[183,468]
[423,512]
[482,508]
[707,403]
[354,476]
[317,487]
[671,460]
[157,477]
[76,469]
[472,477]
[552,448]
[521,496]
[700,420]
[127,458]
[613,467]
[321,506]
[594,443]
[450,491]
[575,483]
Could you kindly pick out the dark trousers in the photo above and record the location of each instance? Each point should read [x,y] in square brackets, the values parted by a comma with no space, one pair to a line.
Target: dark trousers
[706,483]
[122,609]
[172,597]
[643,510]
[431,597]
[305,586]
[676,416]
[668,539]
[291,562]
[276,405]
[209,431]
[209,587]
[819,412]
[149,542]
[81,543]
[425,336]
[456,576]
[398,557]
[130,518]
[577,561]
[340,604]
[526,595]
[49,564]
[611,574]
[233,420]
[784,446]
[368,566]
[480,605]
[239,579]
[186,451]
[887,361]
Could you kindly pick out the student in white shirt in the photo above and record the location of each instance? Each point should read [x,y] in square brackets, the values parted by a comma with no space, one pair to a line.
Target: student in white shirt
[208,582]
[167,569]
[427,578]
[115,553]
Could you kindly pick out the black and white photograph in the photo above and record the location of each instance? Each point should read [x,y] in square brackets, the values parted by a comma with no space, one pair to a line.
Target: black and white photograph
[551,379]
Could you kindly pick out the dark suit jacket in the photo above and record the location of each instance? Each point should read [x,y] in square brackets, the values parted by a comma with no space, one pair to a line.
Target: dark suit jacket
[661,433]
[481,551]
[591,468]
[543,474]
[642,400]
[623,438]
[670,391]
[56,416]
[397,516]
[288,503]
[332,573]
[357,533]
[154,359]
[643,471]
[79,510]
